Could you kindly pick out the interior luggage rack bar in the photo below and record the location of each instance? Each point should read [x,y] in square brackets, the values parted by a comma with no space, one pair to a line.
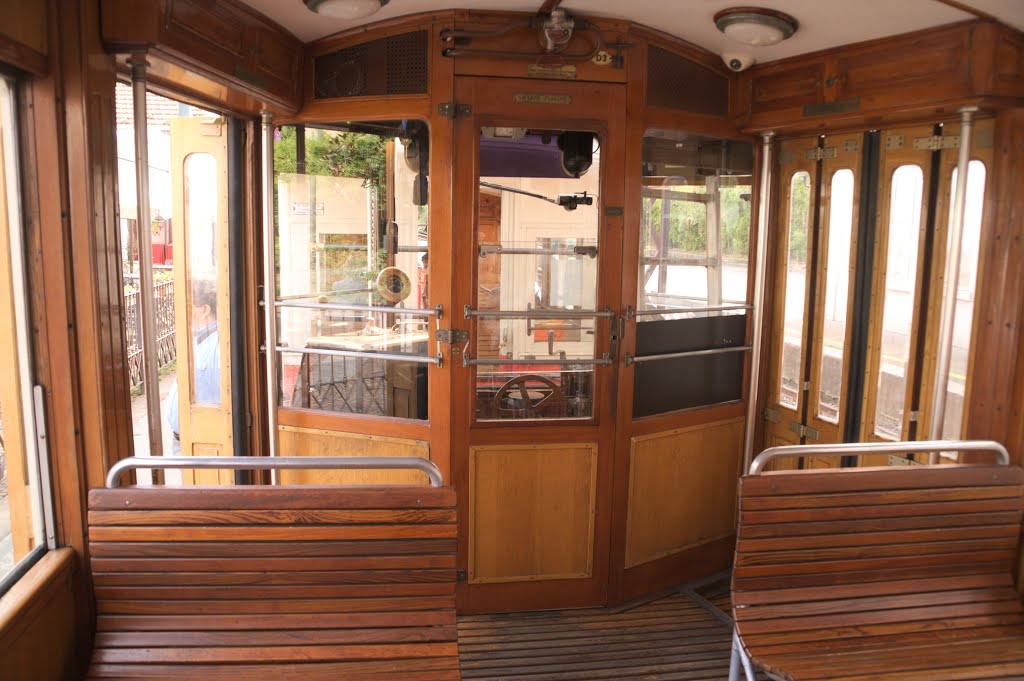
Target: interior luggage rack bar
[249,463]
[863,448]
[630,359]
[538,314]
[632,313]
[366,354]
[355,307]
[604,360]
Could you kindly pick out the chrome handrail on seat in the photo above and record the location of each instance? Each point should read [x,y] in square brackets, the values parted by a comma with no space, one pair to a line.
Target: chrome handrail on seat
[863,448]
[276,462]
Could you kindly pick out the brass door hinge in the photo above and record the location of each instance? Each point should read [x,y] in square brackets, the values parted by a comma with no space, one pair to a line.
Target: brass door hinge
[454,109]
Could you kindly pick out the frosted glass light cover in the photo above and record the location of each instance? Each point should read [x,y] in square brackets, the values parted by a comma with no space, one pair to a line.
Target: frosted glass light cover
[345,9]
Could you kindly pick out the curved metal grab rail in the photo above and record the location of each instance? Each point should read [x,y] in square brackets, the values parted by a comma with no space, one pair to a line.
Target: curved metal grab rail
[276,462]
[862,448]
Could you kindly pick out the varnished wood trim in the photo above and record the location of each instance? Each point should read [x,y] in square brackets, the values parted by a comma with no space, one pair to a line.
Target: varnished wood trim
[24,57]
[996,410]
[45,628]
[21,603]
[970,9]
[353,423]
[269,498]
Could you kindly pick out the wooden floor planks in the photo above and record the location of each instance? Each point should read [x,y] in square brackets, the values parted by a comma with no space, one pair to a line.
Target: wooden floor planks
[671,637]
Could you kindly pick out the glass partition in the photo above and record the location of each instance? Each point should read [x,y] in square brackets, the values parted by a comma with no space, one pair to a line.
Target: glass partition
[692,271]
[353,267]
[695,225]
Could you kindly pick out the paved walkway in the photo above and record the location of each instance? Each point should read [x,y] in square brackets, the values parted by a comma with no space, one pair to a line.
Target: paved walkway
[140,430]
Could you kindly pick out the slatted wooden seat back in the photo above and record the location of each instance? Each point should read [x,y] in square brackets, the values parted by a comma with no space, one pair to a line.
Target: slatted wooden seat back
[896,573]
[274,583]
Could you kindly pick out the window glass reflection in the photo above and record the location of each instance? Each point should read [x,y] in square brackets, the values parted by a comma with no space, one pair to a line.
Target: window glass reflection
[795,285]
[904,231]
[952,425]
[201,202]
[837,290]
[538,248]
[352,232]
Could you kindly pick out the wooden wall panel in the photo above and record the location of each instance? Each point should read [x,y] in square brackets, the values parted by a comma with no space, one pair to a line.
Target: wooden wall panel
[224,41]
[1008,71]
[531,512]
[997,383]
[295,441]
[525,40]
[899,78]
[38,633]
[682,489]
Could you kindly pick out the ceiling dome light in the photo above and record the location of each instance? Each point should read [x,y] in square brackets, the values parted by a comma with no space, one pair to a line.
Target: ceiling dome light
[346,9]
[755,25]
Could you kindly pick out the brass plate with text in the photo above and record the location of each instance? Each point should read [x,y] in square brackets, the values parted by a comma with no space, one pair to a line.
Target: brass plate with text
[531,98]
[564,72]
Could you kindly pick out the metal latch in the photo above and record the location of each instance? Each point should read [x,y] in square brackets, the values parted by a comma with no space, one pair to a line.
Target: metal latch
[937,142]
[803,431]
[453,336]
[820,154]
[454,110]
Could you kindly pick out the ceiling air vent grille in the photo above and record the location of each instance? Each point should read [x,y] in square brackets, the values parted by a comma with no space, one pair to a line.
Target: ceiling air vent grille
[676,82]
[395,65]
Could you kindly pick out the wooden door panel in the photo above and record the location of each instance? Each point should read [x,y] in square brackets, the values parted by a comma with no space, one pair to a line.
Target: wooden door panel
[896,289]
[796,208]
[833,306]
[202,310]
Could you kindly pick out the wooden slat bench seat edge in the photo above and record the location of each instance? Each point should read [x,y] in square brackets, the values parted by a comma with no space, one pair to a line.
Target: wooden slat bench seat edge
[292,583]
[901,623]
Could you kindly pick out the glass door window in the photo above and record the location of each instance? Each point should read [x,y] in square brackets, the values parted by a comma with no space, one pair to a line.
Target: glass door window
[536,274]
[353,268]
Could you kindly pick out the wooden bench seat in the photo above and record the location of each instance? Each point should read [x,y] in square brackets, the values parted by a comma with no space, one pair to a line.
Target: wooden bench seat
[263,584]
[889,573]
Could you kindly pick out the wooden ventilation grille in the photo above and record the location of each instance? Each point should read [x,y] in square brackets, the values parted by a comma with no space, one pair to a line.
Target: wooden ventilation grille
[396,65]
[678,83]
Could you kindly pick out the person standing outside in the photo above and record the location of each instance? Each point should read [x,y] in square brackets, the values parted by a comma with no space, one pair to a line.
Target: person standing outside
[205,357]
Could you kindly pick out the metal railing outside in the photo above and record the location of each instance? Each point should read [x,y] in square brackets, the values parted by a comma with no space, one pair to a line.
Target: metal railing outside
[163,309]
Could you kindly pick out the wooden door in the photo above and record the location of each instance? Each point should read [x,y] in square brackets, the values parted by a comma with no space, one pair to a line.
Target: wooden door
[916,189]
[533,417]
[202,311]
[818,211]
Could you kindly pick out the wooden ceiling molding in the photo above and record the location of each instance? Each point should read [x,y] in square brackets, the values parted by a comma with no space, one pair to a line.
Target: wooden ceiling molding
[217,48]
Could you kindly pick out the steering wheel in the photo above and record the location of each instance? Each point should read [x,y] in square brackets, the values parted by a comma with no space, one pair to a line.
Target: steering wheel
[530,408]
